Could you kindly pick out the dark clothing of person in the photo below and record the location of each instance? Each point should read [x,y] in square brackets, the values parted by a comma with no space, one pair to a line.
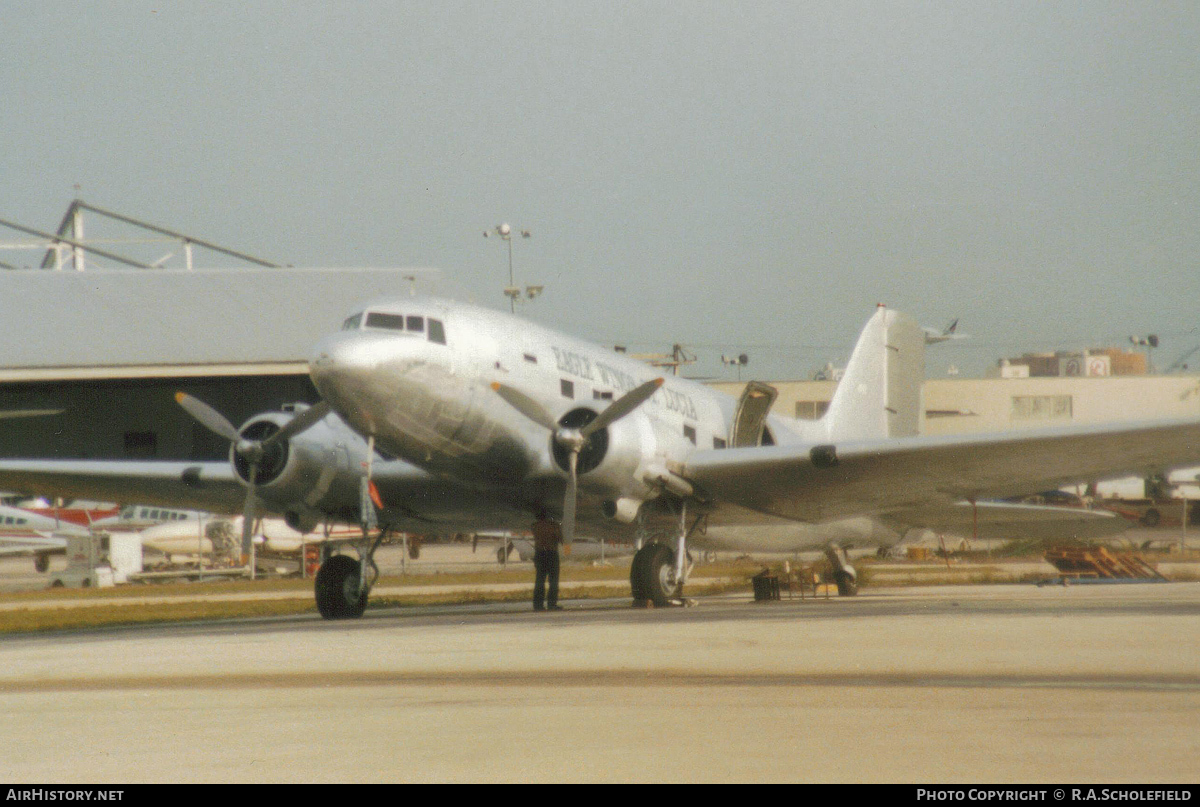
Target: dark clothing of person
[546,538]
[545,562]
[546,535]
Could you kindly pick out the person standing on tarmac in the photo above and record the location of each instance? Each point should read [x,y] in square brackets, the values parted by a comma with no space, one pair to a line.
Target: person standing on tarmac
[547,536]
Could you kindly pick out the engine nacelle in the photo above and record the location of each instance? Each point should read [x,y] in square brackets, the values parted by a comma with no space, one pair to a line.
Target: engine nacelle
[302,518]
[610,464]
[298,476]
[624,509]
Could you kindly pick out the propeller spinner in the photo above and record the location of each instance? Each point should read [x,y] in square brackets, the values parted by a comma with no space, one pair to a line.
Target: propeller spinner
[575,440]
[249,450]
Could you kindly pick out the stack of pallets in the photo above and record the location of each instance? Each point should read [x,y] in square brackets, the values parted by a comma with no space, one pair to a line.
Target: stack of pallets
[1098,563]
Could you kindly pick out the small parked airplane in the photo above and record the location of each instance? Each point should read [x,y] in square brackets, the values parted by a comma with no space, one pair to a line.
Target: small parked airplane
[25,532]
[208,534]
[439,416]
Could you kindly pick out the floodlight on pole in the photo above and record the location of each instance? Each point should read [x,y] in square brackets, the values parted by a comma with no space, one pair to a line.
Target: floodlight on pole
[739,361]
[512,291]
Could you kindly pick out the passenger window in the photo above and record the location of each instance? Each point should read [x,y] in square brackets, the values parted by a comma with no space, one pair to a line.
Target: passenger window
[436,332]
[690,433]
[391,322]
[568,388]
[416,324]
[718,442]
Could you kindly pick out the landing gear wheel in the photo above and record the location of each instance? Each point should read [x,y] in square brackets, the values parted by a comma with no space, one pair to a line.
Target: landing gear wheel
[336,589]
[652,575]
[846,583]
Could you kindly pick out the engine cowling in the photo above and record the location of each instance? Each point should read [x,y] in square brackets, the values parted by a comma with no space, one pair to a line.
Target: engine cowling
[302,518]
[304,477]
[611,462]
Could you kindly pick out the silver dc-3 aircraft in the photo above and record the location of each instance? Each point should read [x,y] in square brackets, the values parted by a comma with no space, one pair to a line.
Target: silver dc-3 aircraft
[439,416]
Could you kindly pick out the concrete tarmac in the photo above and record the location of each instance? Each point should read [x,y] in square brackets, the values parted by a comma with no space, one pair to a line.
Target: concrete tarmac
[1009,683]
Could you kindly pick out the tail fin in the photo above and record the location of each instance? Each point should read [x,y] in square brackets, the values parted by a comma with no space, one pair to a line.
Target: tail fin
[880,393]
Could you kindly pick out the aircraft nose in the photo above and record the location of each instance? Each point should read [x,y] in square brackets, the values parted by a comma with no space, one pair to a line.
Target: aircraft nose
[344,363]
[342,357]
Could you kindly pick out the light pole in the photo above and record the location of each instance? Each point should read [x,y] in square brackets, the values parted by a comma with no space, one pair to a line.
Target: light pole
[512,292]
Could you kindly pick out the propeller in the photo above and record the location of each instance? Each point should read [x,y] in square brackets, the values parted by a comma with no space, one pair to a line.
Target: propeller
[249,450]
[574,440]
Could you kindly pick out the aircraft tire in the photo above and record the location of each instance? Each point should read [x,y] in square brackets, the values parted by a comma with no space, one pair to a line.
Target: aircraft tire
[636,573]
[652,575]
[336,580]
[847,586]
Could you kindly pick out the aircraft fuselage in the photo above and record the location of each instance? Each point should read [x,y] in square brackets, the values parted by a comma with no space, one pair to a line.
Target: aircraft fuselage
[417,374]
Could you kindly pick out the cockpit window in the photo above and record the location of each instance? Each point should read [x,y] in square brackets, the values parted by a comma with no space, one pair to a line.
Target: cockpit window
[352,323]
[392,322]
[399,322]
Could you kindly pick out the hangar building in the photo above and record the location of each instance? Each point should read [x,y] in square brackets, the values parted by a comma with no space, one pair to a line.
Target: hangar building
[107,350]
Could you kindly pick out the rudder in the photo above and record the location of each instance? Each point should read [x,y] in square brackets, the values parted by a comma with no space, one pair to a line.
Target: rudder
[880,393]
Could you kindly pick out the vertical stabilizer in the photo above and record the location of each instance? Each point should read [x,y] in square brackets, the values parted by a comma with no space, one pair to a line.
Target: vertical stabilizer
[880,393]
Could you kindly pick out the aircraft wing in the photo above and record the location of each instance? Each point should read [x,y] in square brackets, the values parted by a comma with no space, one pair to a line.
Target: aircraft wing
[817,483]
[1007,520]
[25,544]
[208,486]
[415,499]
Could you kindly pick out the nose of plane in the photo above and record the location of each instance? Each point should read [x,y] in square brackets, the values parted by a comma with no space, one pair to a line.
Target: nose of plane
[347,361]
[341,358]
[332,351]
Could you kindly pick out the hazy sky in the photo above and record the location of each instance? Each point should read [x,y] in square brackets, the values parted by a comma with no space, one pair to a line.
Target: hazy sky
[736,176]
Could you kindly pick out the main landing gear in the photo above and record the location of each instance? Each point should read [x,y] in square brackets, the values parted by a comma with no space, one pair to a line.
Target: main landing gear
[658,572]
[343,583]
[843,573]
[339,589]
[652,575]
